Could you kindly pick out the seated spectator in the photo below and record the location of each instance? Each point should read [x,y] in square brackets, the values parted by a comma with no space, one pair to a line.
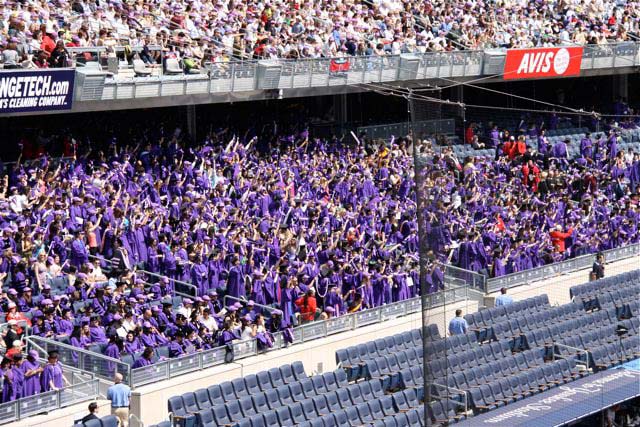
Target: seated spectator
[93,413]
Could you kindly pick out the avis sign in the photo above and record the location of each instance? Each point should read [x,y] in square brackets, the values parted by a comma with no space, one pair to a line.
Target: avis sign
[543,62]
[36,90]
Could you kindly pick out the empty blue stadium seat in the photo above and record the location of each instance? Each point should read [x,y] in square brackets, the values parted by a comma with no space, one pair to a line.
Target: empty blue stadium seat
[227,391]
[205,418]
[246,406]
[251,384]
[109,421]
[215,395]
[202,398]
[286,373]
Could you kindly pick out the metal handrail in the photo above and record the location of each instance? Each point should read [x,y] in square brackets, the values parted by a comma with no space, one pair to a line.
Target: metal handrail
[49,401]
[190,286]
[45,345]
[562,267]
[452,390]
[171,368]
[247,75]
[576,349]
[245,301]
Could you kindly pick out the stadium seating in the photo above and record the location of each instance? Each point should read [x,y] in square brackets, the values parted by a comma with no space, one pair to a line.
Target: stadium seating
[510,353]
[630,141]
[108,421]
[513,351]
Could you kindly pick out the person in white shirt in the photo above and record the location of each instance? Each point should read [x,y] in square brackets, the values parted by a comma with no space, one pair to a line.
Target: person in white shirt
[186,308]
[249,331]
[17,201]
[208,321]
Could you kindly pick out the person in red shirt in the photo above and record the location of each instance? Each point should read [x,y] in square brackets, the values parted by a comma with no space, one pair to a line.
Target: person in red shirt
[48,43]
[16,348]
[308,306]
[469,134]
[558,238]
[507,148]
[520,147]
[531,175]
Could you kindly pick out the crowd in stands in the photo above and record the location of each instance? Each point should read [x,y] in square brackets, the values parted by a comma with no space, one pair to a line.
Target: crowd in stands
[38,33]
[531,205]
[296,228]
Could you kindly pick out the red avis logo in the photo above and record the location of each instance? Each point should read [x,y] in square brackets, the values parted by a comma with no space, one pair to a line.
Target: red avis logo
[547,62]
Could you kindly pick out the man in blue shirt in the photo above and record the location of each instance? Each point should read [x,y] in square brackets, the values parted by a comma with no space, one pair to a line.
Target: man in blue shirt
[119,395]
[458,325]
[503,298]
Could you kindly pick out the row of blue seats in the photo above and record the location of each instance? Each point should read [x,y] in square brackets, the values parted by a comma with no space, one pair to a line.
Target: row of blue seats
[489,315]
[507,365]
[619,299]
[482,322]
[524,334]
[356,355]
[501,347]
[488,387]
[264,384]
[587,292]
[108,421]
[353,358]
[607,355]
[342,409]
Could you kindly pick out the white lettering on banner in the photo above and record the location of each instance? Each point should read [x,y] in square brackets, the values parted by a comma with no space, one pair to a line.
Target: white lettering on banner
[535,63]
[15,87]
[565,396]
[32,91]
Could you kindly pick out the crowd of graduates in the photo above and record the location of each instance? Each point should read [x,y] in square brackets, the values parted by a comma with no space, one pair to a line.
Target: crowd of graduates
[532,204]
[24,376]
[294,229]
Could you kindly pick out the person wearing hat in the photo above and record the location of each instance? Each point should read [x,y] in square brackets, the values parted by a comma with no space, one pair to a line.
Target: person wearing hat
[25,302]
[177,345]
[16,348]
[79,250]
[114,350]
[145,359]
[14,314]
[13,387]
[32,371]
[53,376]
[186,308]
[97,331]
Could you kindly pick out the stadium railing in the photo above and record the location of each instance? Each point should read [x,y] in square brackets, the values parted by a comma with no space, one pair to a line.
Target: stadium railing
[426,127]
[97,364]
[235,76]
[82,389]
[461,285]
[171,368]
[520,278]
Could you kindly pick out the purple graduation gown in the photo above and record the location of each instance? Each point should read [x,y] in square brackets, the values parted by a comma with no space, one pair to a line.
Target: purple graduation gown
[31,384]
[52,373]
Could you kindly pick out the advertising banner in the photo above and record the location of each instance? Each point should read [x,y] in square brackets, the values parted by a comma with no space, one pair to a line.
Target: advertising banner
[543,62]
[339,65]
[36,90]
